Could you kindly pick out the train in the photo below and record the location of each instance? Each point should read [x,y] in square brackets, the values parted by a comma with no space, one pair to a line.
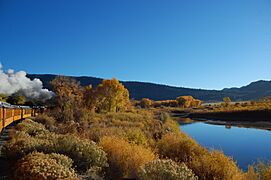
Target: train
[11,113]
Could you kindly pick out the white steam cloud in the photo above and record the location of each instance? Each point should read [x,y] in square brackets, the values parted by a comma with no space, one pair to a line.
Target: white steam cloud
[12,82]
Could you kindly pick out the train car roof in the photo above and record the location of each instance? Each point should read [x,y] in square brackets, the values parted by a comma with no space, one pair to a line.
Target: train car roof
[25,107]
[5,104]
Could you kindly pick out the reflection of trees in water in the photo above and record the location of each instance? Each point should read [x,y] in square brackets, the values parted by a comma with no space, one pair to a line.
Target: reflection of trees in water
[228,125]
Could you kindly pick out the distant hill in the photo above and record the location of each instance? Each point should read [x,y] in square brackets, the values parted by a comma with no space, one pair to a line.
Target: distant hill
[139,90]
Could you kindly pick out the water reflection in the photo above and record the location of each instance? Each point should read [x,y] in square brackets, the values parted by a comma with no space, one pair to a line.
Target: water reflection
[245,145]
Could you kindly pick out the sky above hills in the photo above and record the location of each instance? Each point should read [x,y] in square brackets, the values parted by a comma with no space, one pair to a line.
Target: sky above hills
[203,44]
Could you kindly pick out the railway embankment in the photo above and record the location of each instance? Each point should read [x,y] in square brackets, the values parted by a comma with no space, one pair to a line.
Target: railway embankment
[5,164]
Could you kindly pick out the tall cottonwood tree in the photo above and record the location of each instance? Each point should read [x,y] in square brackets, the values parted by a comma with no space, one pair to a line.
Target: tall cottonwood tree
[89,98]
[112,96]
[69,97]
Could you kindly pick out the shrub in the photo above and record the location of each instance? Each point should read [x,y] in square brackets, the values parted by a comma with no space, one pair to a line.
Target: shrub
[23,143]
[166,103]
[259,171]
[32,128]
[215,165]
[165,170]
[118,124]
[264,170]
[145,103]
[86,154]
[36,166]
[124,158]
[136,136]
[251,174]
[46,120]
[179,147]
[169,125]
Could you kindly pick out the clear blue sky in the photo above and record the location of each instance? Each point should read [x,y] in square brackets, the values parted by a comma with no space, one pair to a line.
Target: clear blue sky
[191,43]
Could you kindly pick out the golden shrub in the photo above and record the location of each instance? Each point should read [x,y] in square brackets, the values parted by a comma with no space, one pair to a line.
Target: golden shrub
[215,165]
[259,171]
[124,158]
[251,174]
[119,124]
[179,147]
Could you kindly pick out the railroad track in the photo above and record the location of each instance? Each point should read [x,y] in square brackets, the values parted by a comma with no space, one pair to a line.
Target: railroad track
[5,164]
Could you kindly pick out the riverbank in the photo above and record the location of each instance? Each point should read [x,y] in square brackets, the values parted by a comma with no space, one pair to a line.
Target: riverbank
[244,124]
[260,119]
[244,115]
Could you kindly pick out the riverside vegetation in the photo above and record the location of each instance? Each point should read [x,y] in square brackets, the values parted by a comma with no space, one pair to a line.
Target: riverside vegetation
[100,134]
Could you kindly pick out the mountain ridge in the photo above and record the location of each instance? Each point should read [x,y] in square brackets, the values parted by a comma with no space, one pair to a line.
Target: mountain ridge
[139,90]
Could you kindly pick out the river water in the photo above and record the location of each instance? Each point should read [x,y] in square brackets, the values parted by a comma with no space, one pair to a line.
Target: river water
[245,145]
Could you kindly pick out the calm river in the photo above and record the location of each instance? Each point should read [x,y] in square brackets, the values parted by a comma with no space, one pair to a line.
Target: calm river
[245,145]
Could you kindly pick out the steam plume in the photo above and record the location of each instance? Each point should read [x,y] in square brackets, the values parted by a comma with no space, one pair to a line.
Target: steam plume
[17,82]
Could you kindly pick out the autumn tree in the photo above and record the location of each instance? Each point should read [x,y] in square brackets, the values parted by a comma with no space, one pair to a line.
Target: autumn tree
[145,103]
[227,101]
[16,99]
[112,96]
[89,98]
[184,101]
[188,101]
[196,103]
[68,97]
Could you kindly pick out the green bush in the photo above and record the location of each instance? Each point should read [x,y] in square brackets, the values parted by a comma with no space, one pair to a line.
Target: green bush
[165,170]
[38,166]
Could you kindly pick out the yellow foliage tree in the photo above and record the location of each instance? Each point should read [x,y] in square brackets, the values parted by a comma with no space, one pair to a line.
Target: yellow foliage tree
[112,96]
[89,97]
[227,101]
[146,103]
[188,101]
